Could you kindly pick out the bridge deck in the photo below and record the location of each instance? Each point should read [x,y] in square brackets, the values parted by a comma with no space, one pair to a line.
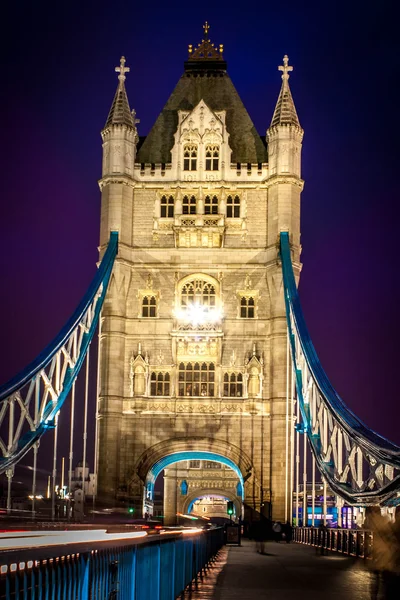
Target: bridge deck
[287,571]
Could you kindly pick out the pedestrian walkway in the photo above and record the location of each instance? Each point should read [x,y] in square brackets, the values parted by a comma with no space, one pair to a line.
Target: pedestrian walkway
[286,571]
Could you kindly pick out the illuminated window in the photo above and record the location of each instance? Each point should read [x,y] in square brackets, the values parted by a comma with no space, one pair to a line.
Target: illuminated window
[194,464]
[167,206]
[190,157]
[159,384]
[212,157]
[247,308]
[199,292]
[211,205]
[189,205]
[196,379]
[233,207]
[149,306]
[210,464]
[233,385]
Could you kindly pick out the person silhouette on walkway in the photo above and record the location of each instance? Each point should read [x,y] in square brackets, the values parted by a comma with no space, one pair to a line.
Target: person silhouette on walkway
[384,555]
[261,532]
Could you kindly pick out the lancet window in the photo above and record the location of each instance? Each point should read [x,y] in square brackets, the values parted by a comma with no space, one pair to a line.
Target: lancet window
[233,207]
[247,307]
[212,157]
[149,306]
[159,384]
[233,385]
[167,206]
[189,205]
[198,291]
[196,379]
[190,157]
[211,205]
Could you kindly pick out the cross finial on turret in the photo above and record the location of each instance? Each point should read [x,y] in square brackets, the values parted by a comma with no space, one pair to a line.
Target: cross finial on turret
[206,27]
[122,69]
[285,68]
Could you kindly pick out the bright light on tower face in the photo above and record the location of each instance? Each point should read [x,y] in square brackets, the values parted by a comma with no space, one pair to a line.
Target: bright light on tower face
[198,314]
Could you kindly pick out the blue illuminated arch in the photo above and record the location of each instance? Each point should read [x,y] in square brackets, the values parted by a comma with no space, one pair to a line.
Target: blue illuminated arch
[175,457]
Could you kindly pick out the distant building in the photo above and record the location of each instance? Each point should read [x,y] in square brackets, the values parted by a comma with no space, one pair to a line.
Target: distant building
[81,477]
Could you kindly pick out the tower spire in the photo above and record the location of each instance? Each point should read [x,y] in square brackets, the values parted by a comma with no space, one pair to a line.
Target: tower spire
[285,110]
[120,112]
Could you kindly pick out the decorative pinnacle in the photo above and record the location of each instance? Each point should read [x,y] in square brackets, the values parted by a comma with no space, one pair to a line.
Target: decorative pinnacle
[122,70]
[206,27]
[285,69]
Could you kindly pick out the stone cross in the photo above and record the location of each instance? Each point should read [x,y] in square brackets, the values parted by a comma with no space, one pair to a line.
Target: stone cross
[122,69]
[285,68]
[206,27]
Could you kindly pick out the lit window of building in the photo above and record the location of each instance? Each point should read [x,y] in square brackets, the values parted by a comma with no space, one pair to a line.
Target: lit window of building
[233,385]
[196,379]
[159,384]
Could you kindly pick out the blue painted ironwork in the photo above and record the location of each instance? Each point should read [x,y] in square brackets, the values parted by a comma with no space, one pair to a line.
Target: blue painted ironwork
[170,459]
[30,401]
[351,542]
[156,568]
[360,465]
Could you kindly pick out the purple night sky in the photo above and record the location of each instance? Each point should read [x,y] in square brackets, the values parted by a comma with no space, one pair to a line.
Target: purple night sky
[58,84]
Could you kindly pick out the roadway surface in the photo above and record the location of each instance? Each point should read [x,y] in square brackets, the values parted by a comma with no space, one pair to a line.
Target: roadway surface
[286,571]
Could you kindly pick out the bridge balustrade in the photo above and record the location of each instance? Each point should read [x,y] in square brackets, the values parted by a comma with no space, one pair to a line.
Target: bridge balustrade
[353,542]
[153,568]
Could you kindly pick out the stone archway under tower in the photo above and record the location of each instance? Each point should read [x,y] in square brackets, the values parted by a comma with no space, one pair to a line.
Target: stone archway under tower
[170,452]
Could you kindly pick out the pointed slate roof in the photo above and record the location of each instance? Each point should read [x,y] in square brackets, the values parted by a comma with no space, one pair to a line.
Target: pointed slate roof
[285,110]
[120,112]
[204,78]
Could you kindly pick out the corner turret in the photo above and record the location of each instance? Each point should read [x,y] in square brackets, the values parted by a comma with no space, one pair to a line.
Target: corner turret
[119,152]
[120,133]
[285,137]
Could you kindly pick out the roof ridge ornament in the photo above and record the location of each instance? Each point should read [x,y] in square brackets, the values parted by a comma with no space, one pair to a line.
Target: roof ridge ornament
[285,68]
[206,49]
[122,69]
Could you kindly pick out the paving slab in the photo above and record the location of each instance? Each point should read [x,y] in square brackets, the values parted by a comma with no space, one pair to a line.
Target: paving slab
[285,572]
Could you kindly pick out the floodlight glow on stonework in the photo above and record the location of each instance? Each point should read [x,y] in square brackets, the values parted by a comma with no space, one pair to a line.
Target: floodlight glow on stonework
[198,314]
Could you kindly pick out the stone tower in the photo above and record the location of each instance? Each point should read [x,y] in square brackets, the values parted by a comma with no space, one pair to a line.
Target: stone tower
[193,334]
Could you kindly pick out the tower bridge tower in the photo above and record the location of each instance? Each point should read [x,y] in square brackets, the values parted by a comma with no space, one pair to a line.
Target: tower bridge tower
[193,334]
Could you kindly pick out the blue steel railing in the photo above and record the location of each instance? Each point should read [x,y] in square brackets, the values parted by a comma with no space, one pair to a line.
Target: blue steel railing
[353,542]
[157,568]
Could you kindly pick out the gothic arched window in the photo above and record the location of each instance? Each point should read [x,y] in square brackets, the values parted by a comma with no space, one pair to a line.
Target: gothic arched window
[190,157]
[198,291]
[189,205]
[247,306]
[233,385]
[233,207]
[167,206]
[196,379]
[211,205]
[159,384]
[212,157]
[149,306]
